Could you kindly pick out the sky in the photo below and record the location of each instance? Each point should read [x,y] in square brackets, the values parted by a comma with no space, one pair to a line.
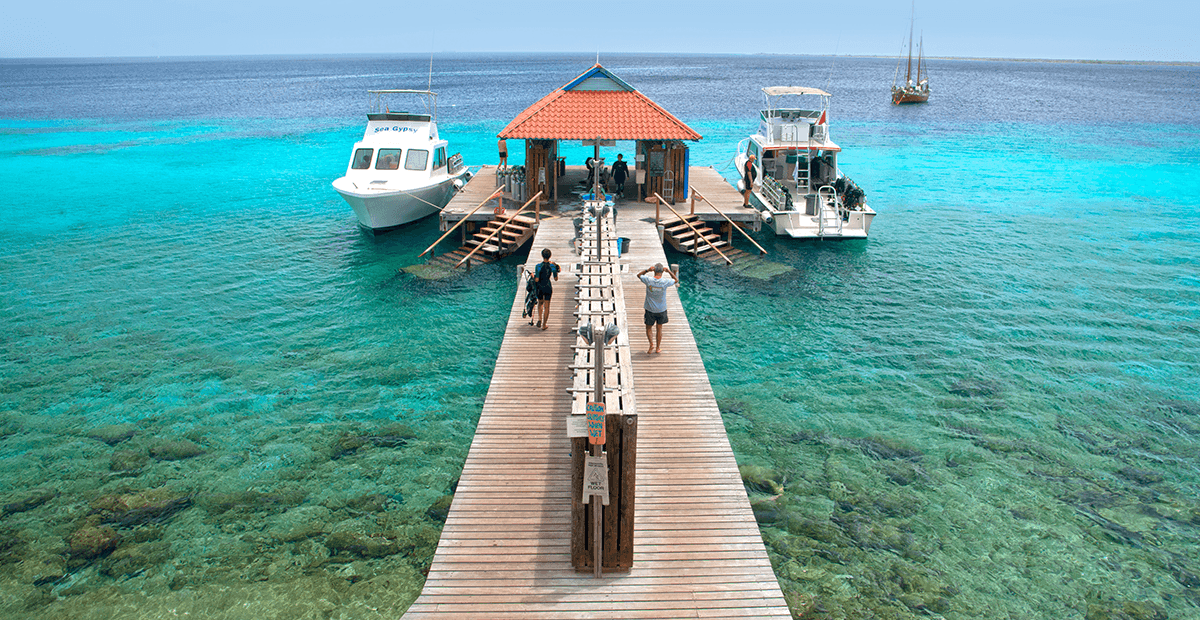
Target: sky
[1157,30]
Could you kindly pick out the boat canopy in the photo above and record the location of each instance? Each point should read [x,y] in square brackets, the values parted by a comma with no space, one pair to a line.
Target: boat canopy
[775,91]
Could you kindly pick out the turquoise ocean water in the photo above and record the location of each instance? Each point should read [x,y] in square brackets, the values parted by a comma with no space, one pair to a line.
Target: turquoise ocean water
[219,397]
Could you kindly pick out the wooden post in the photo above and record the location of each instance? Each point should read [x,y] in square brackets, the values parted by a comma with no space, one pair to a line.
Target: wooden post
[657,204]
[621,445]
[597,449]
[693,211]
[616,536]
[537,210]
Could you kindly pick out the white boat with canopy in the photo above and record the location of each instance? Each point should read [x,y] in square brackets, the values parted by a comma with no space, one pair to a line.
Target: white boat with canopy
[399,171]
[798,188]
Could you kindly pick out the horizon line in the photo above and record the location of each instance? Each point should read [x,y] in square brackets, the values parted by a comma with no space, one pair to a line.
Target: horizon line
[1186,63]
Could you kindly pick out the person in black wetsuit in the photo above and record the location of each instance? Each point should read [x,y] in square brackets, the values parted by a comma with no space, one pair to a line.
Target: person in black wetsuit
[620,171]
[748,176]
[541,276]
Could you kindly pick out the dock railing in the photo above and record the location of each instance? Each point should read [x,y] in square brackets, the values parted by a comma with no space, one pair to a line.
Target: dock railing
[502,226]
[695,193]
[499,190]
[689,225]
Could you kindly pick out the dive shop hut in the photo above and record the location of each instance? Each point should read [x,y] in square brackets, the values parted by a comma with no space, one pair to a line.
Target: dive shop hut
[598,108]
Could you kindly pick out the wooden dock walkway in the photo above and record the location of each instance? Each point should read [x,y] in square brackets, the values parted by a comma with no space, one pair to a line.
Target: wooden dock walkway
[505,548]
[704,179]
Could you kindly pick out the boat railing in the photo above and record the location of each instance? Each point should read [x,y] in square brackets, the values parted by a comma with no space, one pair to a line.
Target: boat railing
[428,98]
[695,193]
[790,114]
[776,193]
[828,195]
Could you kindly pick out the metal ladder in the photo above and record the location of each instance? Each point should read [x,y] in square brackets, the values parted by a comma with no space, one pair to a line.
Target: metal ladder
[828,223]
[800,177]
[669,186]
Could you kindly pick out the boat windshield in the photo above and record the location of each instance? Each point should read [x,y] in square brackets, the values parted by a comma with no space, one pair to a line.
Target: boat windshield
[389,159]
[362,159]
[417,159]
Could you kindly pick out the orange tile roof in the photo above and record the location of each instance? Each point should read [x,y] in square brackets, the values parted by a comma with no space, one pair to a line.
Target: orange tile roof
[569,114]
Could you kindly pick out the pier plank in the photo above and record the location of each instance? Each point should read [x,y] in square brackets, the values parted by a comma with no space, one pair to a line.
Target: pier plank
[505,547]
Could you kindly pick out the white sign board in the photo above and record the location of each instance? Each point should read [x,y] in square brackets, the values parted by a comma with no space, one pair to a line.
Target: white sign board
[595,477]
[577,426]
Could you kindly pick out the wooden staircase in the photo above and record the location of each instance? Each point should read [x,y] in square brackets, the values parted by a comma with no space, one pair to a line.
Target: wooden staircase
[513,235]
[688,234]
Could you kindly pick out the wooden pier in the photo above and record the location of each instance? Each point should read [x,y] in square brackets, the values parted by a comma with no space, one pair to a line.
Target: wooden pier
[703,179]
[505,551]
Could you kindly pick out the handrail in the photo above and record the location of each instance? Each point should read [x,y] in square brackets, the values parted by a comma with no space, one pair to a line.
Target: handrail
[460,222]
[689,225]
[502,226]
[739,228]
[837,209]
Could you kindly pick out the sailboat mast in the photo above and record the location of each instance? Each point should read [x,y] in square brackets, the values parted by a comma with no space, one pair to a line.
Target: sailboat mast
[921,59]
[908,76]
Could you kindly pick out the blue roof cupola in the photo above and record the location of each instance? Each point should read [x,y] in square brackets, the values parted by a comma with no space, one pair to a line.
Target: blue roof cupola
[598,78]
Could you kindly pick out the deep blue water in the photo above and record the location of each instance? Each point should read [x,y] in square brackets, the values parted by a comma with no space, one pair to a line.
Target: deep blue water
[990,409]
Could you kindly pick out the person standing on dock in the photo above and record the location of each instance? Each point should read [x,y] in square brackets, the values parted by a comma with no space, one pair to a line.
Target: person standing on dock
[748,176]
[620,171]
[656,302]
[541,276]
[503,146]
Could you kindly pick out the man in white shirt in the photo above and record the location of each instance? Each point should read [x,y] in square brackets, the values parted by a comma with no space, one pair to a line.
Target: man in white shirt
[656,302]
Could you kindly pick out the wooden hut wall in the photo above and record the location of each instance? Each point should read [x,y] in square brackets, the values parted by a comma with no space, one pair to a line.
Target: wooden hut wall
[540,174]
[677,163]
[660,158]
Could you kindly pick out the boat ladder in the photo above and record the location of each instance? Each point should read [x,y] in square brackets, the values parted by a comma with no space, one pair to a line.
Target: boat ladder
[800,176]
[829,212]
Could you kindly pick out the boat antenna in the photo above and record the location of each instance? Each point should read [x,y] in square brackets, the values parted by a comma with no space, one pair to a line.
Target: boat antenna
[836,45]
[430,87]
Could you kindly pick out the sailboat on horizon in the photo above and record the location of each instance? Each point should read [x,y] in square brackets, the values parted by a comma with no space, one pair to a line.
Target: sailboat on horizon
[912,91]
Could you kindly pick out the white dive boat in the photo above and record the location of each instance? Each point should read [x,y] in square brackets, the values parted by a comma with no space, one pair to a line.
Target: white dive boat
[799,190]
[399,171]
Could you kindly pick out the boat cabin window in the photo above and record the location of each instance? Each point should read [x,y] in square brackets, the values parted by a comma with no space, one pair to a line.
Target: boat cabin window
[362,159]
[389,159]
[439,157]
[752,149]
[417,159]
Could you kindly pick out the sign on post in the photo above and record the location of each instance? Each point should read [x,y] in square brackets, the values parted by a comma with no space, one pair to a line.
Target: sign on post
[595,478]
[595,422]
[577,426]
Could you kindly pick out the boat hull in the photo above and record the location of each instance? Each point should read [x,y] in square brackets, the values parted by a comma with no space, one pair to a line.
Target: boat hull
[799,225]
[902,98]
[383,210]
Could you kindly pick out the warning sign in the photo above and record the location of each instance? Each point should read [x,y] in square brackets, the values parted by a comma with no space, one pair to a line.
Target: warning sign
[595,422]
[595,478]
[577,426]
